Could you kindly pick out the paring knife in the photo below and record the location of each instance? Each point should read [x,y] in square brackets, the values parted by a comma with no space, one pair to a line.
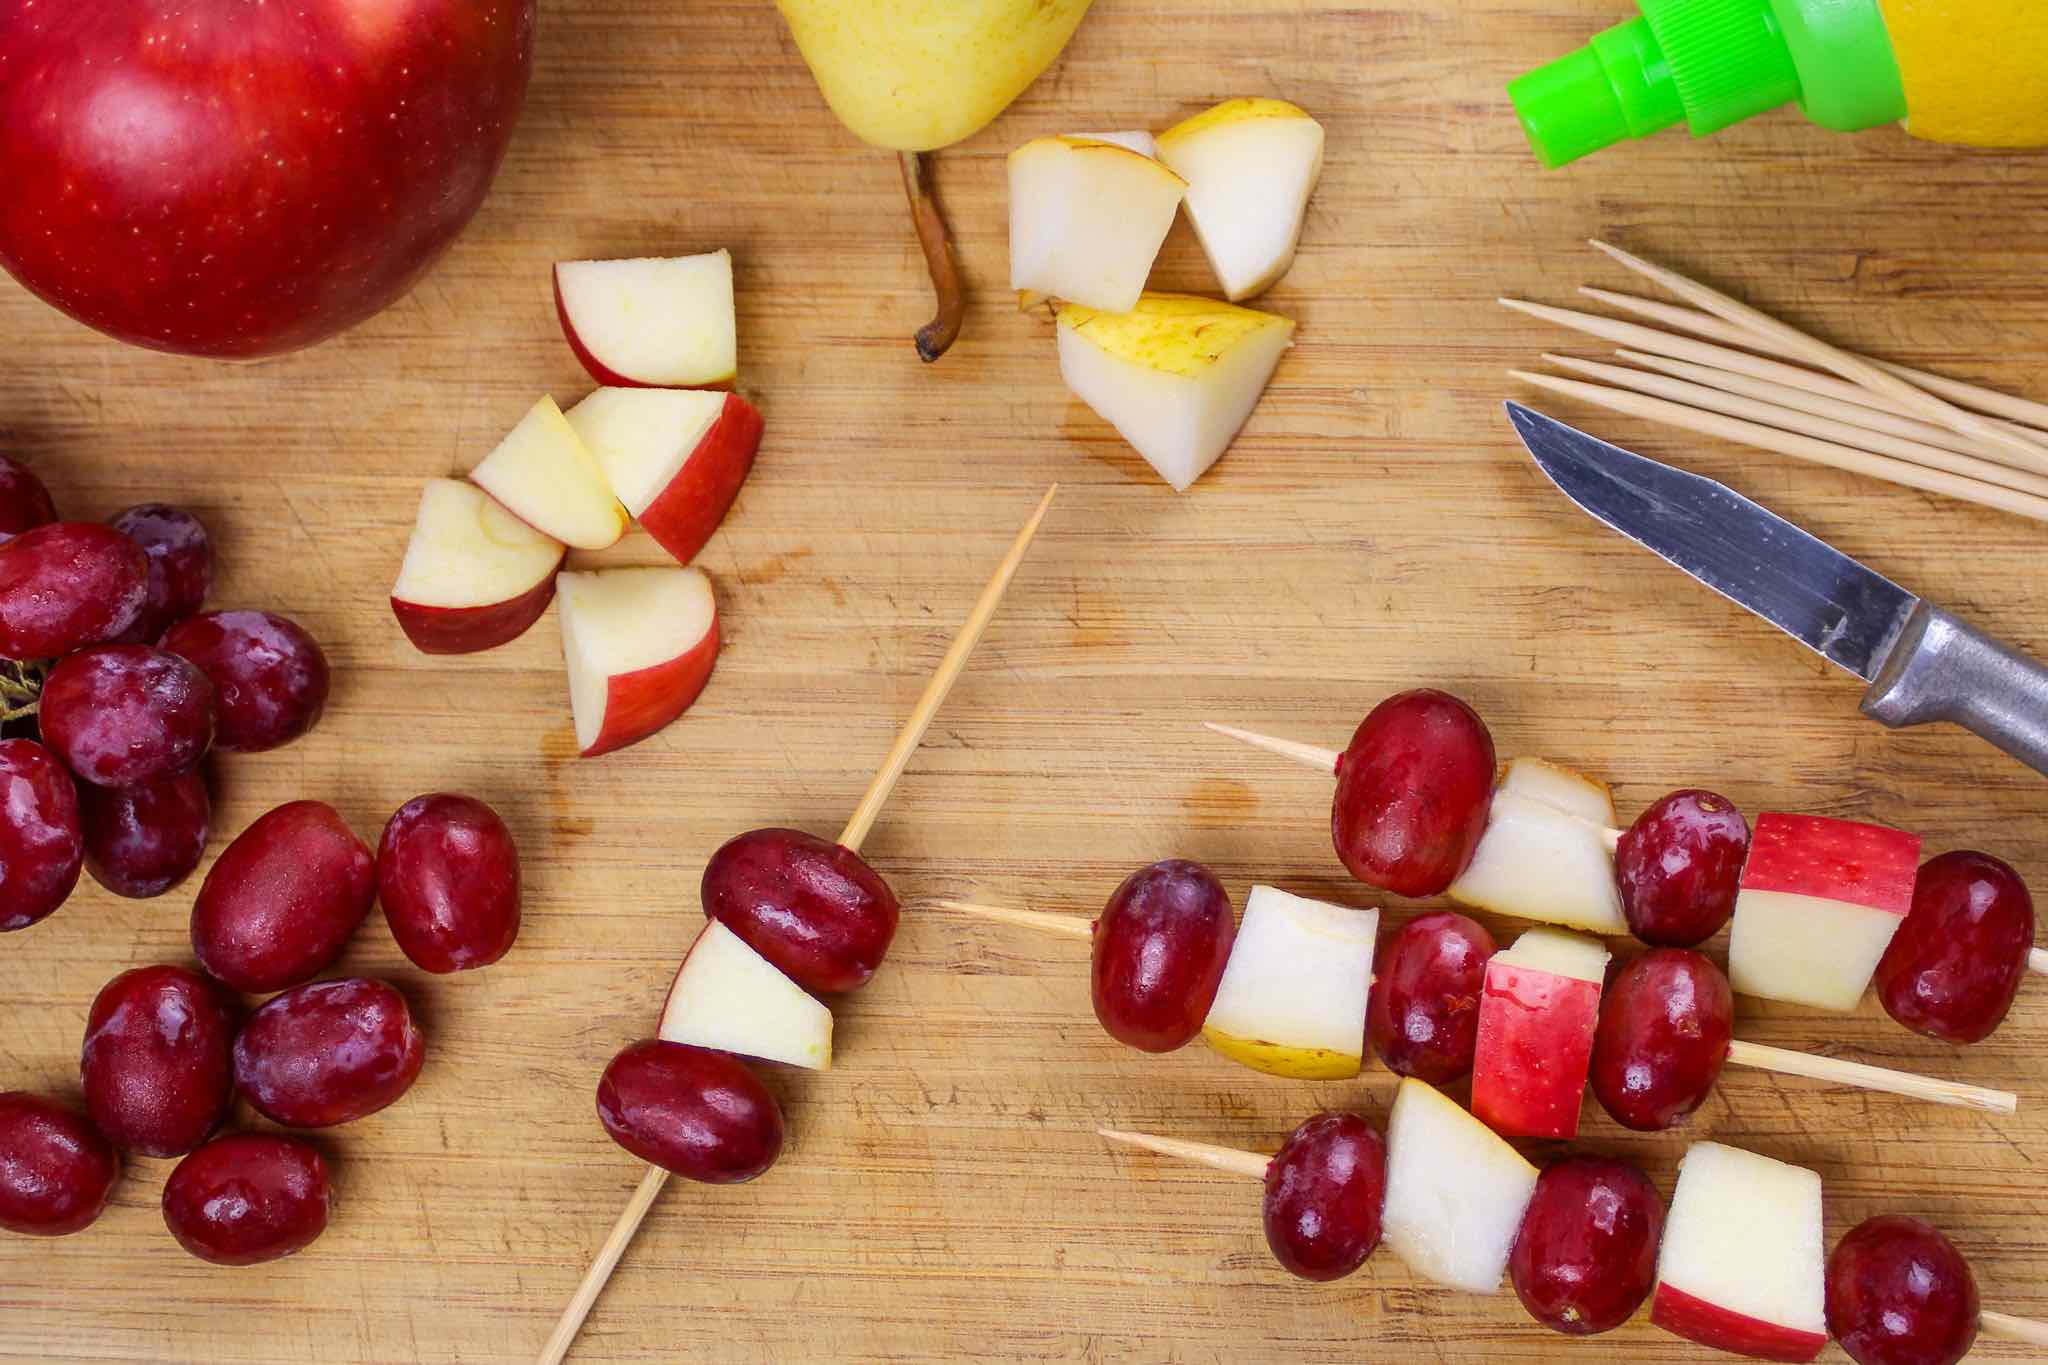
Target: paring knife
[1922,664]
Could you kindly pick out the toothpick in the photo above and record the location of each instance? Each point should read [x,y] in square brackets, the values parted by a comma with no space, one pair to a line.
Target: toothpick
[1072,926]
[1228,1159]
[1864,1077]
[1308,755]
[2012,1328]
[856,832]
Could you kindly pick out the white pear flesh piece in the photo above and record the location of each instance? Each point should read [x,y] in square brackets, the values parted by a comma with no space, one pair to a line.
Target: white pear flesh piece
[1087,220]
[728,997]
[474,575]
[1177,376]
[544,476]
[1292,1000]
[1456,1191]
[639,645]
[1544,854]
[1136,139]
[1251,165]
[1819,904]
[653,321]
[1743,1263]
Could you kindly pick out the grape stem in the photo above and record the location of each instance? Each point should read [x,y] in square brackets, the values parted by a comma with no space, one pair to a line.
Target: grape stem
[21,687]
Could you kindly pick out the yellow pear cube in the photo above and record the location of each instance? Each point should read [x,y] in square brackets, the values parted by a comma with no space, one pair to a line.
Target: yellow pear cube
[1251,165]
[1087,219]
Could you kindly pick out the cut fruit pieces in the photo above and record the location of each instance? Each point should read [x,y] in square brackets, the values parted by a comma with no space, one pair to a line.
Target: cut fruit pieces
[1251,165]
[1544,855]
[1456,1191]
[675,457]
[1087,219]
[1537,1017]
[652,322]
[1292,1001]
[474,575]
[1819,904]
[640,645]
[1743,1264]
[728,997]
[544,476]
[1135,139]
[1177,376]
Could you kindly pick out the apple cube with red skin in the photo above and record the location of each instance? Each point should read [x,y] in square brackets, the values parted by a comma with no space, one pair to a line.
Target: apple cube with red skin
[640,645]
[1819,904]
[729,998]
[675,457]
[1743,1264]
[655,322]
[1537,1015]
[542,473]
[474,575]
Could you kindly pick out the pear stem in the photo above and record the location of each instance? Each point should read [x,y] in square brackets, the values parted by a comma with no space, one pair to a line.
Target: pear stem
[936,337]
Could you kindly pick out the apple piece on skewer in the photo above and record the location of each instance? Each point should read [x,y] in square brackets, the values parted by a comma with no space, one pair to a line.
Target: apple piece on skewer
[544,476]
[1743,1263]
[474,575]
[1456,1191]
[1819,904]
[1177,376]
[1292,1001]
[1087,219]
[1537,1016]
[675,457]
[652,322]
[729,998]
[640,645]
[1251,165]
[1544,855]
[1136,139]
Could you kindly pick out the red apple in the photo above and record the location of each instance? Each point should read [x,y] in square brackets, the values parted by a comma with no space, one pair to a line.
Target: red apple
[1711,1325]
[474,575]
[640,644]
[1537,1018]
[675,457]
[231,179]
[655,322]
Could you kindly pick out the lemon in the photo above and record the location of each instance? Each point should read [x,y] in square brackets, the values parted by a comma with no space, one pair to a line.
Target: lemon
[1973,70]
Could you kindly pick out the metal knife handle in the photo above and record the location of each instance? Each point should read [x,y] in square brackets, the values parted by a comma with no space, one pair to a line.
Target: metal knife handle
[1944,669]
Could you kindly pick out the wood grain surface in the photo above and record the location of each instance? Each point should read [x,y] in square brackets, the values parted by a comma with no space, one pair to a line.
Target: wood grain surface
[944,1195]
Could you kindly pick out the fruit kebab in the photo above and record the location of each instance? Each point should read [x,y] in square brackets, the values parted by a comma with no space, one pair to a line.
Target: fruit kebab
[789,914]
[1736,1263]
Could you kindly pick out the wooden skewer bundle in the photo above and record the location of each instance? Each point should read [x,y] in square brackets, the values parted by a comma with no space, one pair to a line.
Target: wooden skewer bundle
[1759,382]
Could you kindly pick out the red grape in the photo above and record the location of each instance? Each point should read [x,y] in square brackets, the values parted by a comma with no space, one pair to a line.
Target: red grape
[1679,866]
[1324,1190]
[56,1171]
[24,503]
[269,675]
[1899,1293]
[1423,1013]
[448,876]
[328,1053]
[691,1111]
[42,842]
[119,715]
[812,908]
[1586,1255]
[180,566]
[158,1060]
[141,841]
[1160,949]
[280,902]
[1958,958]
[1413,791]
[1664,1028]
[247,1198]
[66,586]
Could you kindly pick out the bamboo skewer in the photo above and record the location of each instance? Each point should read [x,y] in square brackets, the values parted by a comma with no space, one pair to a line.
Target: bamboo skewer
[855,833]
[1071,926]
[1864,1077]
[2013,1329]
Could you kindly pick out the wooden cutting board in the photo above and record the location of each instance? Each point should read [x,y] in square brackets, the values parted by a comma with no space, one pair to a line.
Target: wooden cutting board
[943,1195]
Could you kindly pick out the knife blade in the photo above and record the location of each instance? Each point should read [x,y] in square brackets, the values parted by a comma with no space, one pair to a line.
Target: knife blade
[1922,664]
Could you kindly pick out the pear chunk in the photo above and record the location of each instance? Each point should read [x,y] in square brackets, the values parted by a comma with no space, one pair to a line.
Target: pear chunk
[1292,1001]
[1544,855]
[1251,165]
[1087,219]
[1456,1191]
[1176,376]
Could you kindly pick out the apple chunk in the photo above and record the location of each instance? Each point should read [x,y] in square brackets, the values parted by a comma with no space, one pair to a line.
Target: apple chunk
[728,997]
[1537,1016]
[1544,854]
[675,457]
[1176,376]
[474,575]
[1743,1264]
[1251,165]
[544,476]
[640,644]
[1819,903]
[1456,1191]
[652,322]
[1292,1000]
[1087,219]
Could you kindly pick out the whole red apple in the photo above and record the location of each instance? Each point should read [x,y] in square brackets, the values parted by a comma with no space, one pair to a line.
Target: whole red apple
[228,178]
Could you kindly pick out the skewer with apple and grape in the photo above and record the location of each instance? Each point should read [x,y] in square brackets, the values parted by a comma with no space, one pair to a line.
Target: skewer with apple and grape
[790,916]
